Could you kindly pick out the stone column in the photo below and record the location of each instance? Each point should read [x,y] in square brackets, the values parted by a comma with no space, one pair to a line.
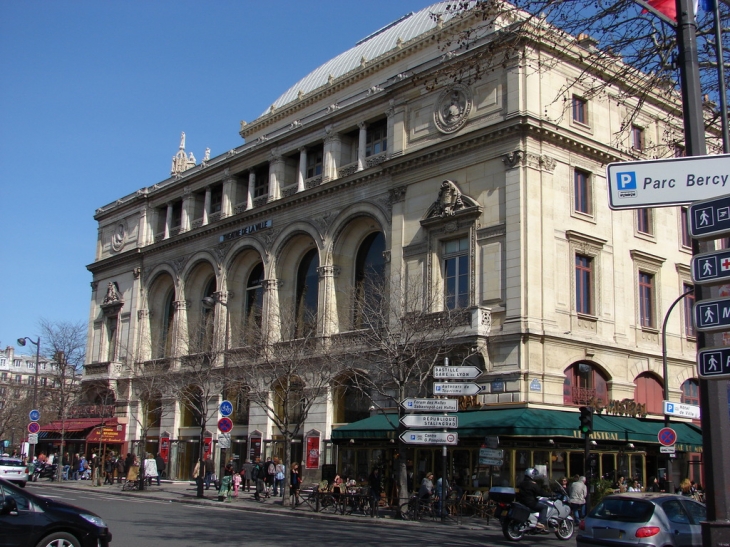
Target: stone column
[327,321]
[179,345]
[187,212]
[361,145]
[142,228]
[153,216]
[302,174]
[270,312]
[229,184]
[220,326]
[276,175]
[206,205]
[168,221]
[332,154]
[144,336]
[251,187]
[396,130]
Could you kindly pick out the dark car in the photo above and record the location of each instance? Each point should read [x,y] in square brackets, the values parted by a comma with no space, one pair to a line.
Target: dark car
[27,520]
[643,518]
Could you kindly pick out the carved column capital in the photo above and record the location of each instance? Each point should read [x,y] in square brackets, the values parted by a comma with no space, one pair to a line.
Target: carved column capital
[329,271]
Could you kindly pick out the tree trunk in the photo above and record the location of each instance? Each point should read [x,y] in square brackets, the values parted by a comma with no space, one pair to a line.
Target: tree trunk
[286,500]
[201,473]
[142,456]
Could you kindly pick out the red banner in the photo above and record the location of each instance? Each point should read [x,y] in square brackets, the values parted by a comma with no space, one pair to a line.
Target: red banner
[165,448]
[207,447]
[312,461]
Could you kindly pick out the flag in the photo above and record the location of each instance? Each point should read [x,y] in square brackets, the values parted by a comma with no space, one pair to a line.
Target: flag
[707,5]
[667,7]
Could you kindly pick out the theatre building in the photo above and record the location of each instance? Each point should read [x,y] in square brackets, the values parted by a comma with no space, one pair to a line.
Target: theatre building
[487,190]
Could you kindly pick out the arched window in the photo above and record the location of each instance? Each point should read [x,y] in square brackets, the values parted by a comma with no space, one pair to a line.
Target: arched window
[350,404]
[164,348]
[649,391]
[307,295]
[583,384]
[369,277]
[255,296]
[691,392]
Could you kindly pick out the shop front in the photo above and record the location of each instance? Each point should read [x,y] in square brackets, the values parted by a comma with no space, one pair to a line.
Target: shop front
[528,437]
[83,436]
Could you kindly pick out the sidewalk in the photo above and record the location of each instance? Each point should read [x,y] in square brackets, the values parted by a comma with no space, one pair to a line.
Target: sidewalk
[185,492]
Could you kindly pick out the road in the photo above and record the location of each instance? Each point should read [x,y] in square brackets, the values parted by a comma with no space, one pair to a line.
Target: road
[159,523]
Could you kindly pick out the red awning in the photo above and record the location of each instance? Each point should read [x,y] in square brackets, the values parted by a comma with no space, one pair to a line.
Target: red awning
[78,424]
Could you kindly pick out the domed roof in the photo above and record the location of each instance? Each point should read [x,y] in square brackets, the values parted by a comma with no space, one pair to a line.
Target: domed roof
[404,29]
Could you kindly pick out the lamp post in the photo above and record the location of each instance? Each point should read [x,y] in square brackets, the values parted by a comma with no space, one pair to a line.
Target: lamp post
[669,485]
[21,342]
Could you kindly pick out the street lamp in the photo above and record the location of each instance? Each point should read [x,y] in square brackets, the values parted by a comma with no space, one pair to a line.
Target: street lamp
[21,342]
[669,485]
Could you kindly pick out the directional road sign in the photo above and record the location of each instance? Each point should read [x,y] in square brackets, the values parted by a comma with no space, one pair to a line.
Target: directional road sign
[667,449]
[656,183]
[491,453]
[226,408]
[431,405]
[710,219]
[34,427]
[34,415]
[681,409]
[429,437]
[457,388]
[490,461]
[714,363]
[712,315]
[463,373]
[667,436]
[430,420]
[225,425]
[224,440]
[711,268]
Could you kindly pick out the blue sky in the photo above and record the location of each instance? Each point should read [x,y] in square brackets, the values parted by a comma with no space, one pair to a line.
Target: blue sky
[93,98]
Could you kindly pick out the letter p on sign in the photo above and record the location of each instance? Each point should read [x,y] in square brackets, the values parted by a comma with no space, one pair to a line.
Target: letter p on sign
[626,181]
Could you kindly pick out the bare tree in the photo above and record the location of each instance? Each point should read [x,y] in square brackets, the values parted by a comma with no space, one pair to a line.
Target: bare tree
[626,53]
[285,378]
[399,339]
[65,346]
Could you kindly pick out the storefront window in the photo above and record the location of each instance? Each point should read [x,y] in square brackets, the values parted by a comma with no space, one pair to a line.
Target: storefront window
[608,467]
[424,464]
[541,462]
[559,463]
[522,462]
[461,468]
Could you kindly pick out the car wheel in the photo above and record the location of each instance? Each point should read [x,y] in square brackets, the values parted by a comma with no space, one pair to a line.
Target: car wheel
[59,539]
[21,484]
[565,529]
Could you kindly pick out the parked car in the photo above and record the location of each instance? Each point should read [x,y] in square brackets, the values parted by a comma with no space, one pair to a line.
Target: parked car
[30,520]
[14,470]
[643,518]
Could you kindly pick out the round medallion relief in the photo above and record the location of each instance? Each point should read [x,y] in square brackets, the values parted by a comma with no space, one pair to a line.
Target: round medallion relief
[452,109]
[119,236]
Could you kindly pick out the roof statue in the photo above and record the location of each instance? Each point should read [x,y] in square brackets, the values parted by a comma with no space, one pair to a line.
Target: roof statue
[181,162]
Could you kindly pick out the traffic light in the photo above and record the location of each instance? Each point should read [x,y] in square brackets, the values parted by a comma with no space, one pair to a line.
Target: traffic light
[586,420]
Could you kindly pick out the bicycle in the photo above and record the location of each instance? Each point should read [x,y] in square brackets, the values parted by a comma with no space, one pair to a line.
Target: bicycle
[418,508]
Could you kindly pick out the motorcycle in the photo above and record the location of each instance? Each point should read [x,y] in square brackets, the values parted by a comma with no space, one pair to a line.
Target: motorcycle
[45,471]
[518,520]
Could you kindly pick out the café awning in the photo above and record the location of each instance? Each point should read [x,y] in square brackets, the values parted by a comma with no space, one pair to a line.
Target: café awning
[535,423]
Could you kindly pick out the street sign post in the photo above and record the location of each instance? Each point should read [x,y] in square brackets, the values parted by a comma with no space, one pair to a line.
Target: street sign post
[710,219]
[225,425]
[667,449]
[34,427]
[431,405]
[711,268]
[226,408]
[681,409]
[429,437]
[224,440]
[33,438]
[461,373]
[467,388]
[667,436]
[491,453]
[490,461]
[34,415]
[430,420]
[710,315]
[714,363]
[675,181]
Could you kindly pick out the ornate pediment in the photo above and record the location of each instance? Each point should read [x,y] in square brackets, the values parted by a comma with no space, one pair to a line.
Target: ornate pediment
[451,203]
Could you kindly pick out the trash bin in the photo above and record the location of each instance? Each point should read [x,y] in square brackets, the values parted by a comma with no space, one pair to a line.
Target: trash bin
[225,490]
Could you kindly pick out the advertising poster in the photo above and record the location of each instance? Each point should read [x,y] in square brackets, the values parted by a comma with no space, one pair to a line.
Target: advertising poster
[312,453]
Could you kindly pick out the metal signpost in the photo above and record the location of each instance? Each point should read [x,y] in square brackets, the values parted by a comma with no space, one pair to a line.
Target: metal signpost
[429,437]
[709,219]
[711,315]
[32,438]
[714,363]
[34,415]
[430,420]
[682,410]
[468,388]
[225,425]
[661,183]
[711,268]
[226,408]
[457,373]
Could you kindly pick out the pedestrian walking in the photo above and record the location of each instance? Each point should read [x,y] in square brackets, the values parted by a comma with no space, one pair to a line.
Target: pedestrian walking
[246,475]
[120,469]
[270,474]
[375,482]
[295,483]
[280,477]
[209,472]
[160,467]
[257,476]
[236,484]
[108,470]
[75,467]
[577,498]
[150,469]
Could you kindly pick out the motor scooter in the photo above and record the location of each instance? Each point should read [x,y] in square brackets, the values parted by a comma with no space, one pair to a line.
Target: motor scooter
[45,470]
[519,521]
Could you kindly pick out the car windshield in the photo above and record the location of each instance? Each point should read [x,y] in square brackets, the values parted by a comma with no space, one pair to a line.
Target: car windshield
[624,510]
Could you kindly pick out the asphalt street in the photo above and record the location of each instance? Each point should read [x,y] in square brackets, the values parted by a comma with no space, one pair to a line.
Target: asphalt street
[162,523]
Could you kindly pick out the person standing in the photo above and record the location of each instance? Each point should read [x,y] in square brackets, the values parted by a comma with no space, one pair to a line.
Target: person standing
[280,477]
[150,470]
[75,467]
[295,483]
[209,471]
[269,474]
[577,498]
[246,475]
[375,482]
[160,467]
[426,490]
[257,476]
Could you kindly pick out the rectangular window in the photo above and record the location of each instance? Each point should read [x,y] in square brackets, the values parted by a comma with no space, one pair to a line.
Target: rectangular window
[376,140]
[16,362]
[30,380]
[637,138]
[580,110]
[216,199]
[2,392]
[314,162]
[3,362]
[5,377]
[689,302]
[261,185]
[18,379]
[646,300]
[583,284]
[30,365]
[456,273]
[686,240]
[643,221]
[582,191]
[43,381]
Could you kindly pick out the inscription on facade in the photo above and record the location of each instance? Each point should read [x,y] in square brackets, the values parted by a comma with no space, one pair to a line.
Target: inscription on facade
[263,225]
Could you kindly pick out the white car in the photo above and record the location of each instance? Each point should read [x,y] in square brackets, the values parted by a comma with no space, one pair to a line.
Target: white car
[14,470]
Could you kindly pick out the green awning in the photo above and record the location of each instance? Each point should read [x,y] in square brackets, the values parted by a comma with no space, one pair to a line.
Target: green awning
[534,422]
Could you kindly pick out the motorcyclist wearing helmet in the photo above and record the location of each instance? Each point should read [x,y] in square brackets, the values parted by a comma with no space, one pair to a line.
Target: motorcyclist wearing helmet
[528,494]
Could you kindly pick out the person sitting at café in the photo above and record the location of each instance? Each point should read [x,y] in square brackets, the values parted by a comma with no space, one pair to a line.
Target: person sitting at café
[426,490]
[338,486]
